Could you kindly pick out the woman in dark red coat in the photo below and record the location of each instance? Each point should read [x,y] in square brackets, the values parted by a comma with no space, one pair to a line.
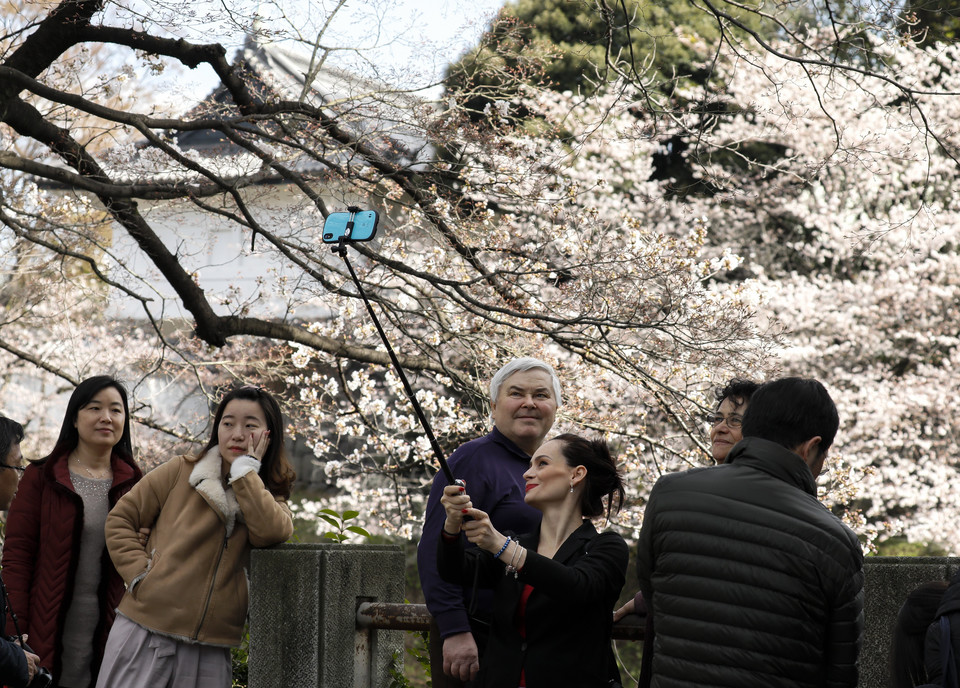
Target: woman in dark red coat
[60,580]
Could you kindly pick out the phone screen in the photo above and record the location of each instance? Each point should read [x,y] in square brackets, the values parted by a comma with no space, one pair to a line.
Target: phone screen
[361,226]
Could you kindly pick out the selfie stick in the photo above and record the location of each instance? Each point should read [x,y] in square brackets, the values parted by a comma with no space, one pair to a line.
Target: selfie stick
[341,250]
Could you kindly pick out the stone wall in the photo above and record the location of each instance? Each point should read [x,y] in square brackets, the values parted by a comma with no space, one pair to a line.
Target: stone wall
[888,582]
[304,599]
[303,615]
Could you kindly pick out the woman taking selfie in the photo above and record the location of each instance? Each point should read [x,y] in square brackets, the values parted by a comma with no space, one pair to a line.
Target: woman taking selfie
[186,599]
[60,581]
[554,588]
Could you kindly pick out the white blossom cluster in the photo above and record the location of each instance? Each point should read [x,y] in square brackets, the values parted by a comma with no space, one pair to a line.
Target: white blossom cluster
[851,235]
[810,225]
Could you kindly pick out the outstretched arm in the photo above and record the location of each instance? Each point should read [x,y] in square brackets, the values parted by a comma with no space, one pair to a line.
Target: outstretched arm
[454,563]
[590,580]
[635,605]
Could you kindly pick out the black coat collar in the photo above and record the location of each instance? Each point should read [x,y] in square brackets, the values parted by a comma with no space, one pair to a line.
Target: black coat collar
[570,546]
[775,460]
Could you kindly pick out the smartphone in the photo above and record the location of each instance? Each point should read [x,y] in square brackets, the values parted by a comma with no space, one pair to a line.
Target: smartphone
[359,226]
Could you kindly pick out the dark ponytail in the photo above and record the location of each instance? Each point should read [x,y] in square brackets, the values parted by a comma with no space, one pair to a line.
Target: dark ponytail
[602,480]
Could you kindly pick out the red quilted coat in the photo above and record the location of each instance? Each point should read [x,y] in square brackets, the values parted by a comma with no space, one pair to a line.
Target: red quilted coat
[41,551]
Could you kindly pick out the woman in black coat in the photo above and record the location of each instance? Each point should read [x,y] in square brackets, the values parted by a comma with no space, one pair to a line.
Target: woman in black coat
[554,588]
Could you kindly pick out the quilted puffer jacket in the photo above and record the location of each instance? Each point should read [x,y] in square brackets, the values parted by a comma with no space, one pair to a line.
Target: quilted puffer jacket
[751,581]
[40,556]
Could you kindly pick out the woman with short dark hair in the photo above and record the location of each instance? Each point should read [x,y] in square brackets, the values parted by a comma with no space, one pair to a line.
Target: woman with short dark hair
[725,423]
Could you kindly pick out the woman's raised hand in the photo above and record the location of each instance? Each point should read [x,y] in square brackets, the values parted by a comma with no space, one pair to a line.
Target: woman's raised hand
[457,502]
[480,531]
[258,449]
[477,528]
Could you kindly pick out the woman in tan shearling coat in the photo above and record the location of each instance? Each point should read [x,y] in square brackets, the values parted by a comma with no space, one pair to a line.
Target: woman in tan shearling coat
[186,599]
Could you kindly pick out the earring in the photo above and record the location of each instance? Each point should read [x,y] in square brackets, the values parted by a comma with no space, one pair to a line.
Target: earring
[571,487]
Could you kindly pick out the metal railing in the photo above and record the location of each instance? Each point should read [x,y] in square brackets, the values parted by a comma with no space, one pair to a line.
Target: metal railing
[415,617]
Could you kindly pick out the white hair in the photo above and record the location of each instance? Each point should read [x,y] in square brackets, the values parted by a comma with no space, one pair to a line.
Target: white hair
[519,365]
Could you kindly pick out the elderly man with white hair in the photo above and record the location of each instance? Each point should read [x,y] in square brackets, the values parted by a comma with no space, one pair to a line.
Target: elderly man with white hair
[524,396]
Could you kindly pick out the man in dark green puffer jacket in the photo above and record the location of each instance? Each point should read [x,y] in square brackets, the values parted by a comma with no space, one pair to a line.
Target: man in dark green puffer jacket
[750,580]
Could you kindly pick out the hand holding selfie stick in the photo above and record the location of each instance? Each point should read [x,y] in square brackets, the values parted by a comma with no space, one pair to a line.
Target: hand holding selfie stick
[343,232]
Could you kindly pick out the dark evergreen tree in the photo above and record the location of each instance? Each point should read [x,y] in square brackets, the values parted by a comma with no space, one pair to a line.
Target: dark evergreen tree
[578,45]
[933,21]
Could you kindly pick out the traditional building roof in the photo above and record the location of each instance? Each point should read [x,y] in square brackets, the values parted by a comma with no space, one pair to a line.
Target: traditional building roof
[374,112]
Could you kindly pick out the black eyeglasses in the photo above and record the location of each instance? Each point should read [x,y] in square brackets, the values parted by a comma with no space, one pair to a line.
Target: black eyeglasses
[18,469]
[714,419]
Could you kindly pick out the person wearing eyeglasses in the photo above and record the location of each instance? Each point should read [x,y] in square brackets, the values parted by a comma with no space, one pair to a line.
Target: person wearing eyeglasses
[60,581]
[725,423]
[750,580]
[725,431]
[17,666]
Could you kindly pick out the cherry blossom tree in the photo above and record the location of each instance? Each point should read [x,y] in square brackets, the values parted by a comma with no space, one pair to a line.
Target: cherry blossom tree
[835,185]
[649,244]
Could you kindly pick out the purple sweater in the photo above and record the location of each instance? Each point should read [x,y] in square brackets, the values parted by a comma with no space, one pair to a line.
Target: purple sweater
[493,469]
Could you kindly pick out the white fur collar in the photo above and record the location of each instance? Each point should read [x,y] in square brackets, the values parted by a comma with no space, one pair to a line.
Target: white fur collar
[206,478]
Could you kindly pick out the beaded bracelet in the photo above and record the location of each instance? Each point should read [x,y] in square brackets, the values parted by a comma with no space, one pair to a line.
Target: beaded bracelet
[505,545]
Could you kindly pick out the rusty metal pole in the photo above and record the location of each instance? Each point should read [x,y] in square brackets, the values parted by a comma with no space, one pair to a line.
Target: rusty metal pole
[395,616]
[415,617]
